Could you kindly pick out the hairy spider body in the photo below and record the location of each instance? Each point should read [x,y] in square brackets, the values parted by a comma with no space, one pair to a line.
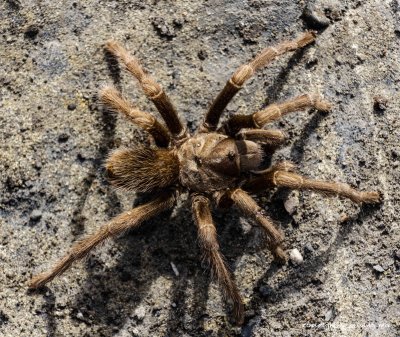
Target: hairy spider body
[212,161]
[223,165]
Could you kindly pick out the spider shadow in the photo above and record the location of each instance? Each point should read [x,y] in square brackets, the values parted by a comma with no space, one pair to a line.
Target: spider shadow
[280,80]
[110,296]
[77,221]
[227,225]
[48,308]
[146,255]
[296,156]
[301,276]
[108,120]
[297,149]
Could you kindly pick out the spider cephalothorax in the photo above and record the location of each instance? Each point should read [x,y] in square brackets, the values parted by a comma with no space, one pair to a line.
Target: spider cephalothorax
[220,164]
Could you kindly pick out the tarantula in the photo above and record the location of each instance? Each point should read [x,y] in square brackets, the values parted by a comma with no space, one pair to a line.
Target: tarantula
[221,164]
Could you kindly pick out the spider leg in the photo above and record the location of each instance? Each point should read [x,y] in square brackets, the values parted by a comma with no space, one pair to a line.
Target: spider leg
[121,223]
[150,87]
[281,178]
[246,71]
[208,239]
[273,112]
[249,207]
[114,100]
[269,137]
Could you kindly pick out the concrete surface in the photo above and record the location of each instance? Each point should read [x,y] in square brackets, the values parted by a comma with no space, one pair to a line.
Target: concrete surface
[54,138]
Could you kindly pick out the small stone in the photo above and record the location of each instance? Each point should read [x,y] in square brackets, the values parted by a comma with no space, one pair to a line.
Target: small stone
[378,268]
[31,31]
[59,313]
[71,107]
[202,55]
[63,138]
[79,316]
[140,312]
[295,256]
[315,18]
[308,248]
[164,28]
[175,269]
[380,103]
[329,315]
[178,22]
[291,204]
[36,215]
[250,31]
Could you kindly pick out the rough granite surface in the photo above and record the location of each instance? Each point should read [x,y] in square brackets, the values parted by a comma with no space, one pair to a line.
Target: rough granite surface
[54,138]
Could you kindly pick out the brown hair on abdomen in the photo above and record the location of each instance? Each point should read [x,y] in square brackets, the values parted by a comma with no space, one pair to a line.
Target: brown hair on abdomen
[142,169]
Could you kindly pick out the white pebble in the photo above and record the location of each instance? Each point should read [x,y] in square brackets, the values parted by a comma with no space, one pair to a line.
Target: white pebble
[140,312]
[295,256]
[176,271]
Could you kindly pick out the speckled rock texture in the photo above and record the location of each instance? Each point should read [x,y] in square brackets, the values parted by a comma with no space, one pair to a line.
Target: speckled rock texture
[54,138]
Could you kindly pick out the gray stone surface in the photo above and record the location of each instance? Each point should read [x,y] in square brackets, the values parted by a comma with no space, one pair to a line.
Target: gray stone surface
[54,138]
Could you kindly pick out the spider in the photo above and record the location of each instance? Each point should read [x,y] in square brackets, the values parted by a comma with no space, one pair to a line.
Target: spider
[220,164]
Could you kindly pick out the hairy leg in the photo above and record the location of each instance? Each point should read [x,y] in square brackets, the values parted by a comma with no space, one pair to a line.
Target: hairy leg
[208,239]
[269,137]
[246,71]
[114,100]
[296,181]
[119,224]
[273,112]
[249,207]
[276,176]
[150,87]
[260,180]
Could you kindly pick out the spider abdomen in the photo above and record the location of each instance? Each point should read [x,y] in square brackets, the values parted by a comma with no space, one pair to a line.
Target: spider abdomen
[142,169]
[212,161]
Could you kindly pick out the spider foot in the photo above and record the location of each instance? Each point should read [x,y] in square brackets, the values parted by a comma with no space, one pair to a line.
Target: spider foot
[279,255]
[38,281]
[320,104]
[371,197]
